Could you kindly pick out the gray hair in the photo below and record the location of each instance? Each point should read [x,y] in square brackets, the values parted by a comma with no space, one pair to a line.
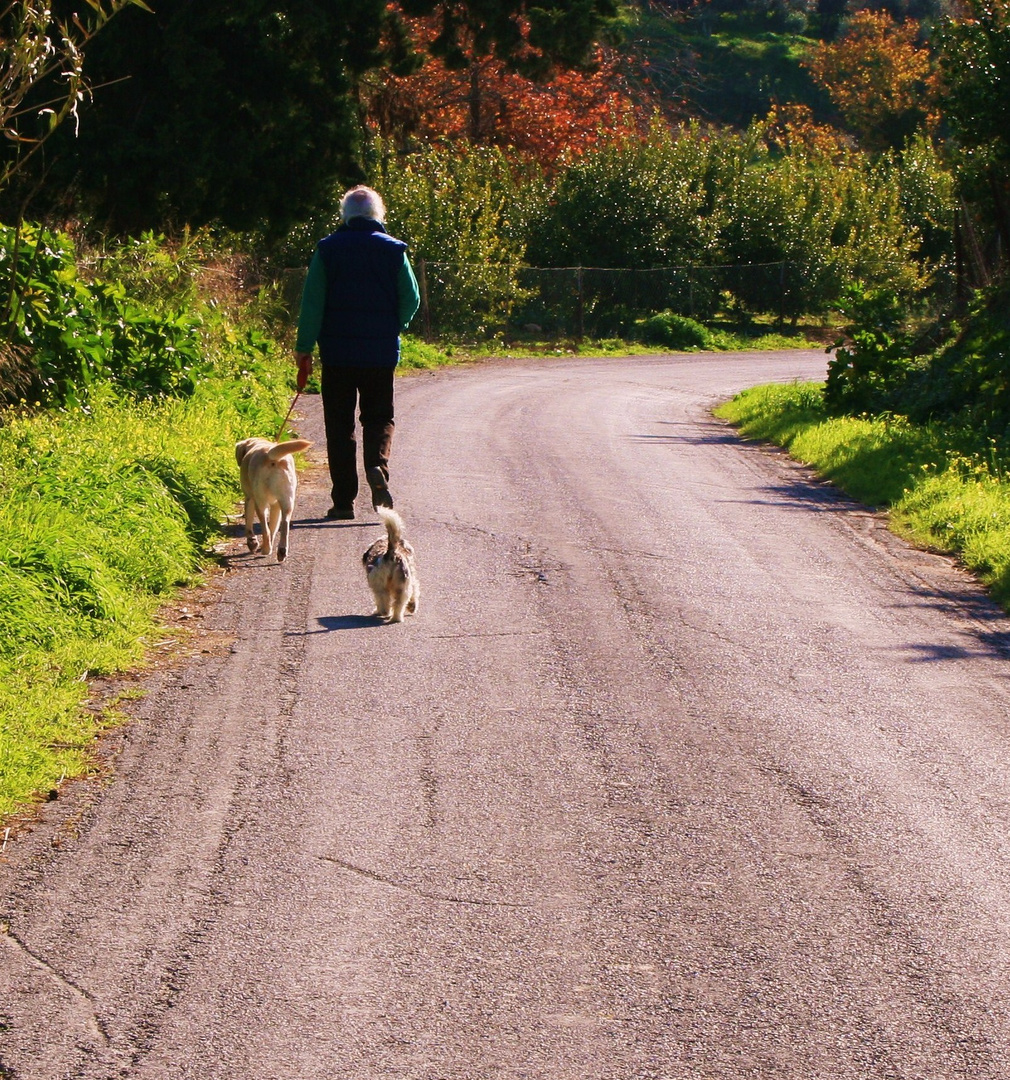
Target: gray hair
[363,202]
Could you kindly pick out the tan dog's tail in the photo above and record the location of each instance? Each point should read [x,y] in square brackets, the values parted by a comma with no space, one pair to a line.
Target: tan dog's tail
[394,526]
[292,446]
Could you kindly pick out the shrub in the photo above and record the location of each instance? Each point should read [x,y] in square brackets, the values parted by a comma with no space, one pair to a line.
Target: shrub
[674,331]
[874,356]
[468,210]
[631,204]
[970,374]
[83,333]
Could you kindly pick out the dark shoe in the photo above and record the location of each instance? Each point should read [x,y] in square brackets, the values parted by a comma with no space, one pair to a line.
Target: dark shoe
[380,492]
[340,513]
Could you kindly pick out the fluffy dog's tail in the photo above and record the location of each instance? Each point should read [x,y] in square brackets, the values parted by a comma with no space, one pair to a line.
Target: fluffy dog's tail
[394,526]
[292,446]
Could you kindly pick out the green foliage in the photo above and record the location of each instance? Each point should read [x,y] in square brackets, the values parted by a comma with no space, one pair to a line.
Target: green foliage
[873,357]
[969,377]
[975,65]
[82,334]
[975,59]
[142,333]
[832,218]
[729,198]
[699,220]
[634,203]
[102,514]
[469,209]
[927,200]
[150,268]
[674,331]
[416,355]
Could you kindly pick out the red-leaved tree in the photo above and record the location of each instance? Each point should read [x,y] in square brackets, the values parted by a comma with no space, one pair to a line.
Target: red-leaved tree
[487,102]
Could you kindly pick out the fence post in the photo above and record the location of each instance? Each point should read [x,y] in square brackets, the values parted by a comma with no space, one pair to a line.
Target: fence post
[782,294]
[580,310]
[422,281]
[960,281]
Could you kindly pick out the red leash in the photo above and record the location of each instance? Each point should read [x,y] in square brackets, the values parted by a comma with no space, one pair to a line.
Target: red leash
[304,367]
[284,424]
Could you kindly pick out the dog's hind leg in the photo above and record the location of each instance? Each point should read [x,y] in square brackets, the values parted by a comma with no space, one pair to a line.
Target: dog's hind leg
[400,600]
[267,528]
[283,531]
[250,525]
[382,605]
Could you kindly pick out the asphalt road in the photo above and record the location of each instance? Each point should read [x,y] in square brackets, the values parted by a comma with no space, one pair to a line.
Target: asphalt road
[685,768]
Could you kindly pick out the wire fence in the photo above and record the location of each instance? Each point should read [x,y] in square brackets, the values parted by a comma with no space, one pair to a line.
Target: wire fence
[594,302]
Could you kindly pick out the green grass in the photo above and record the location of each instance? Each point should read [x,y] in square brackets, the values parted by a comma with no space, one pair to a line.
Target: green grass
[417,355]
[103,514]
[941,488]
[742,65]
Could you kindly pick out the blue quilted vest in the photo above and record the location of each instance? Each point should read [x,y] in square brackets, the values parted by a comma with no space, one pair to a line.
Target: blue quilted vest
[361,319]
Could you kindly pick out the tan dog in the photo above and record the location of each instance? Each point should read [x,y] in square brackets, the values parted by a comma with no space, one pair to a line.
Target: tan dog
[392,575]
[269,482]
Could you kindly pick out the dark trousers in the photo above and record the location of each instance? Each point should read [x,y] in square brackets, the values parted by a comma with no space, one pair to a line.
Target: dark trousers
[342,389]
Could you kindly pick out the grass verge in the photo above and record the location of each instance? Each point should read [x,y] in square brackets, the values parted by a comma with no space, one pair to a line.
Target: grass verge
[103,514]
[942,488]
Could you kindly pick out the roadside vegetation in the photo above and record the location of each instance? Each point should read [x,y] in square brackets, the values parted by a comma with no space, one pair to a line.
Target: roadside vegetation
[571,179]
[945,486]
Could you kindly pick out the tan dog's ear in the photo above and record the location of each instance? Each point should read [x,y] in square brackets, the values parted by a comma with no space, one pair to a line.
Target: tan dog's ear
[241,449]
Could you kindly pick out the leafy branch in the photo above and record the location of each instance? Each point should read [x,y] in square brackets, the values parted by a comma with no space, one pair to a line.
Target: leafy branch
[42,78]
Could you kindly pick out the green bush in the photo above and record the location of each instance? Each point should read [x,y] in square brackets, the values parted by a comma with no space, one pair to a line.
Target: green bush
[969,376]
[631,204]
[673,331]
[82,333]
[705,198]
[467,210]
[874,356]
[832,217]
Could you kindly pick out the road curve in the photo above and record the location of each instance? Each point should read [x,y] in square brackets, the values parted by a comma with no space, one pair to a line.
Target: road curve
[685,768]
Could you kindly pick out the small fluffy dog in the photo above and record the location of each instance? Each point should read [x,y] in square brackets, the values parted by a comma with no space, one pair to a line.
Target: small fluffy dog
[392,575]
[269,482]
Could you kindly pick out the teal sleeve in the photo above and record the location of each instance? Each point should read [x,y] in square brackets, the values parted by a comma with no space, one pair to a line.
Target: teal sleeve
[310,318]
[408,293]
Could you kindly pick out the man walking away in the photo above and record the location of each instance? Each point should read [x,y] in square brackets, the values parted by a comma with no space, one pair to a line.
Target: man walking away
[360,293]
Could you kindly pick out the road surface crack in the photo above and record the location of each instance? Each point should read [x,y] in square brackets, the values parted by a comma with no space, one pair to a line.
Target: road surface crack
[445,898]
[78,993]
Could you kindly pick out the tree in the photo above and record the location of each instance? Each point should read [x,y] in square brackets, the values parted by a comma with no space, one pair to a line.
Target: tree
[485,40]
[248,113]
[975,63]
[879,79]
[566,113]
[532,38]
[240,111]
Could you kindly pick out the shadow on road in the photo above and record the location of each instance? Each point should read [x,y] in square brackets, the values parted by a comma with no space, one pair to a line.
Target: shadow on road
[329,623]
[711,434]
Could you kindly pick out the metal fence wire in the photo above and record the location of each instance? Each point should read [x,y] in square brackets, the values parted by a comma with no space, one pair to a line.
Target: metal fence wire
[583,301]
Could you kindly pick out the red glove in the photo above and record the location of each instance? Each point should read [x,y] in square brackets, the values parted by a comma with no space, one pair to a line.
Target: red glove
[304,370]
